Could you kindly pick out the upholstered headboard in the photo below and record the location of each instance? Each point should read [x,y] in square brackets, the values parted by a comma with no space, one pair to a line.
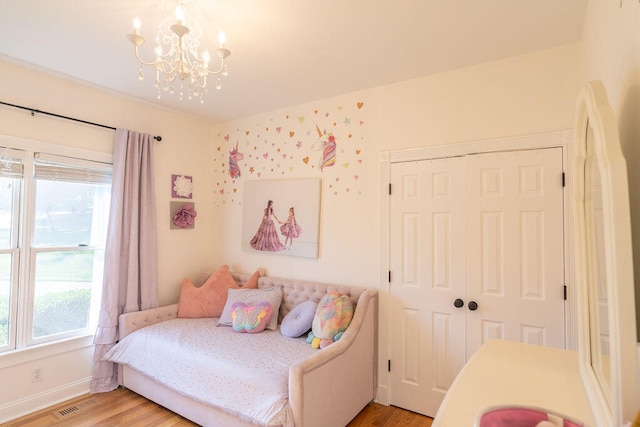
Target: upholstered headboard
[293,291]
[296,291]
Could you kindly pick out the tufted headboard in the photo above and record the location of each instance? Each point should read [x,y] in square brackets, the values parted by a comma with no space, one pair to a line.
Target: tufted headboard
[296,291]
[293,292]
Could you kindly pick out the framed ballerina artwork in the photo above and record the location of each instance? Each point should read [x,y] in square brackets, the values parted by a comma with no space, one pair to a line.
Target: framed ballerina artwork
[282,217]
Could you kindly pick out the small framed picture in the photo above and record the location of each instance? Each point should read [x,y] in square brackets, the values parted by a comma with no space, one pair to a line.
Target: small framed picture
[181,187]
[182,215]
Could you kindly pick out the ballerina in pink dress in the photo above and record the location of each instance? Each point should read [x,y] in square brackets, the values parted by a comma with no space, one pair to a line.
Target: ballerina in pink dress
[290,229]
[266,238]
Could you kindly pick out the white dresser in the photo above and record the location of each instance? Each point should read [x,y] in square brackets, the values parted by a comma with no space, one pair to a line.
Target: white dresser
[503,373]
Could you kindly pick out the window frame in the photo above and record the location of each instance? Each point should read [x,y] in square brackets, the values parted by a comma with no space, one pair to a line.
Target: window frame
[14,250]
[21,345]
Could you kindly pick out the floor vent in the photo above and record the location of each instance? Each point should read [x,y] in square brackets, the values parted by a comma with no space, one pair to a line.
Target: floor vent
[75,408]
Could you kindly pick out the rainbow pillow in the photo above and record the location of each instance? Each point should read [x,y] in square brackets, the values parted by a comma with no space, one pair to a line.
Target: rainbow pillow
[332,318]
[250,318]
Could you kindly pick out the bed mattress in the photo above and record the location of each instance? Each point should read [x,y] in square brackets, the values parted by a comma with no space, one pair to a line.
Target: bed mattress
[244,374]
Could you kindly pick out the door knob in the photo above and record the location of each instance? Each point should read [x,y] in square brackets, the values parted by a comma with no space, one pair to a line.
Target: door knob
[458,303]
[473,306]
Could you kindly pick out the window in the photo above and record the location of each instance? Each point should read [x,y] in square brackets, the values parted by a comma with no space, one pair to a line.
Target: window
[53,221]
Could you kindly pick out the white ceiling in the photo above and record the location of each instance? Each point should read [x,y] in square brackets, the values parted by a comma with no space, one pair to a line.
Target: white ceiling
[284,52]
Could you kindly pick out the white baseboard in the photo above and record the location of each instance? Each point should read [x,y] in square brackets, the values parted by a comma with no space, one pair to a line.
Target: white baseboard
[382,395]
[28,405]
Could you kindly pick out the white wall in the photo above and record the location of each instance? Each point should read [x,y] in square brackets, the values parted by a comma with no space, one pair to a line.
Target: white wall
[524,95]
[184,142]
[611,53]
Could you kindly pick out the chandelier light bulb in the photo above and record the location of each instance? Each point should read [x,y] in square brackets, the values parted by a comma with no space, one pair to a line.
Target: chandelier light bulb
[222,38]
[137,24]
[158,50]
[179,14]
[206,57]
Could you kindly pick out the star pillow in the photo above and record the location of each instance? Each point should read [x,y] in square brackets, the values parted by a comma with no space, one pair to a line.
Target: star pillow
[250,318]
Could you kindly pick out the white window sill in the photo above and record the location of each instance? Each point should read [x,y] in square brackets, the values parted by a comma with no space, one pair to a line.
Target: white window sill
[30,354]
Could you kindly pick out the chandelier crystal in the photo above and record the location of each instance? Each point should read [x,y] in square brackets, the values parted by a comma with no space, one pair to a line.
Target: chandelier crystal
[179,64]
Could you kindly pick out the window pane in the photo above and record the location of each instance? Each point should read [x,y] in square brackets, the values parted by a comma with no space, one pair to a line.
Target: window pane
[70,214]
[66,283]
[6,211]
[5,293]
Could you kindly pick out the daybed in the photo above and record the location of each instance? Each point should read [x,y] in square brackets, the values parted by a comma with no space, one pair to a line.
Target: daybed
[322,387]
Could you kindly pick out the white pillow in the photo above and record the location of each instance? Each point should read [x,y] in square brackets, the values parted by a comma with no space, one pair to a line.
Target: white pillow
[252,296]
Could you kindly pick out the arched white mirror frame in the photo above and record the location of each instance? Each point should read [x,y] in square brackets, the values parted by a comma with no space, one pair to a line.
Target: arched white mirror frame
[614,403]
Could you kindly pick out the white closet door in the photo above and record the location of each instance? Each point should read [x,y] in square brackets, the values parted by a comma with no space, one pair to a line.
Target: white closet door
[486,229]
[514,250]
[427,275]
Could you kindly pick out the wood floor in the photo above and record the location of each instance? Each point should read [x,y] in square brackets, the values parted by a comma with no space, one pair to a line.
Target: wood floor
[125,408]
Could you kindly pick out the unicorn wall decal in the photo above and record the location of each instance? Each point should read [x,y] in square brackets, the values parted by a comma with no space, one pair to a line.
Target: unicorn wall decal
[234,157]
[328,148]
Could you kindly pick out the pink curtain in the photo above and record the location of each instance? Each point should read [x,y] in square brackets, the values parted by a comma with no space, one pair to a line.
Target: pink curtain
[130,272]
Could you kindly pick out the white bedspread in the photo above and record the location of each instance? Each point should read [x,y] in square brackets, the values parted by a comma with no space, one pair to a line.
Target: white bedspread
[245,374]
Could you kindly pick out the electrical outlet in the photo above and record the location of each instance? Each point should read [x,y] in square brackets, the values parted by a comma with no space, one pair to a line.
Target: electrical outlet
[36,375]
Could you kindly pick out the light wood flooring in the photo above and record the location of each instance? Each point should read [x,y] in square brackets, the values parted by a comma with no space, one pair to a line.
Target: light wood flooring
[123,407]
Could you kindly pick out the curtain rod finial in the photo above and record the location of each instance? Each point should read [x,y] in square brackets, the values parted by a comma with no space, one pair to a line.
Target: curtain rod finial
[157,138]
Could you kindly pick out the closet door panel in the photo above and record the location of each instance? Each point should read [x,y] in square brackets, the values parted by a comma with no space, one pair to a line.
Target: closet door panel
[427,275]
[515,257]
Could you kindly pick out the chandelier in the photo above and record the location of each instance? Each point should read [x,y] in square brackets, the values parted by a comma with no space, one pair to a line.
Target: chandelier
[179,64]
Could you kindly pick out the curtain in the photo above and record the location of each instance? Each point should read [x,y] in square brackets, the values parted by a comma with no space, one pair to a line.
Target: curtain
[130,273]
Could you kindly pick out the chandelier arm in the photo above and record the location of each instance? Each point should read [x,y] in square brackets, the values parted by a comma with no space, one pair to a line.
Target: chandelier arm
[151,64]
[210,71]
[223,54]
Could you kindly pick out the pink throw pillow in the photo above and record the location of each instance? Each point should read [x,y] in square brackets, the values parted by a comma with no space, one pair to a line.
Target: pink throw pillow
[209,299]
[252,281]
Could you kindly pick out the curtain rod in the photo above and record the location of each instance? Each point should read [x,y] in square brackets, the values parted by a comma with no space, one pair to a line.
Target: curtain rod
[34,111]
